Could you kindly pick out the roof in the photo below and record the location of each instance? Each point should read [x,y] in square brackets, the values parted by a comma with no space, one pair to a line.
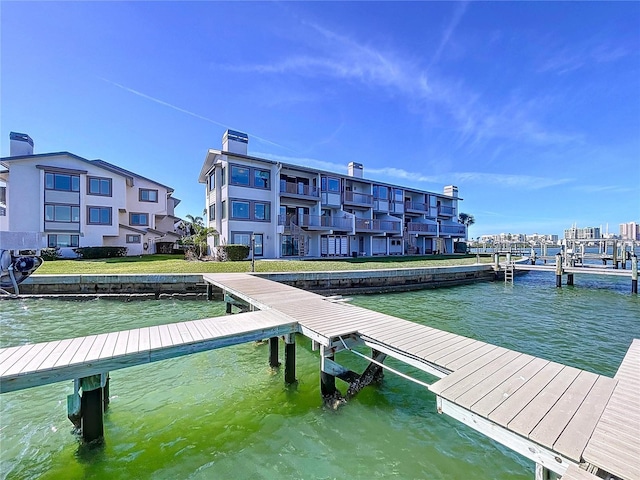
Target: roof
[212,154]
[5,161]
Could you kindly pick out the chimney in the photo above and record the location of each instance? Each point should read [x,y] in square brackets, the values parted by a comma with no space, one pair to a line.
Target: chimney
[20,144]
[355,170]
[451,191]
[235,142]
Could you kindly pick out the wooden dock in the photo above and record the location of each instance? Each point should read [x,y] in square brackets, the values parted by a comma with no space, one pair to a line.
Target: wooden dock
[566,420]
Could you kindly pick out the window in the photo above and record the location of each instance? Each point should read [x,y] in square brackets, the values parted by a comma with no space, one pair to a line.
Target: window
[133,238]
[61,213]
[99,216]
[224,179]
[223,214]
[99,186]
[262,179]
[147,195]
[399,196]
[261,211]
[239,175]
[139,219]
[330,184]
[239,209]
[241,239]
[212,180]
[258,241]
[63,241]
[212,212]
[61,181]
[381,193]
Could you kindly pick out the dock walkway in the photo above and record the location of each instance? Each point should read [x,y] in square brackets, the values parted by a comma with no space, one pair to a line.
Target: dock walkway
[546,411]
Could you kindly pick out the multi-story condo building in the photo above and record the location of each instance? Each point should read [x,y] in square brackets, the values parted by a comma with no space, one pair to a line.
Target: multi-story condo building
[587,233]
[628,231]
[295,211]
[63,200]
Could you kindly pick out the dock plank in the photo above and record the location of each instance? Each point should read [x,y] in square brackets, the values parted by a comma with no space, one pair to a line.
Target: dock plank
[84,349]
[24,359]
[96,348]
[109,345]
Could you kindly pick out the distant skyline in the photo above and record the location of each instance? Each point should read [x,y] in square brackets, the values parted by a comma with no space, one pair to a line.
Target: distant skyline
[531,108]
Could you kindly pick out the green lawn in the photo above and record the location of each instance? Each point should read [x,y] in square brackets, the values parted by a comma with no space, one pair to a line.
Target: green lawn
[177,264]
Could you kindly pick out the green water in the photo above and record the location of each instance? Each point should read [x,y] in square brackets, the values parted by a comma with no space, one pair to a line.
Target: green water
[225,414]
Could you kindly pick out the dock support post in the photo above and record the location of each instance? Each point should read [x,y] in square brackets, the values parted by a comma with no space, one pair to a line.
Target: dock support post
[92,408]
[104,381]
[634,273]
[569,278]
[209,291]
[273,352]
[542,473]
[290,358]
[614,254]
[558,270]
[228,308]
[327,381]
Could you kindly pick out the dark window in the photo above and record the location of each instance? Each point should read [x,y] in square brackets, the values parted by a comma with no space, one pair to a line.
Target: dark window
[212,212]
[133,238]
[330,184]
[62,182]
[61,213]
[139,219]
[224,179]
[147,195]
[212,180]
[63,241]
[240,210]
[262,211]
[239,175]
[99,216]
[99,186]
[261,178]
[223,214]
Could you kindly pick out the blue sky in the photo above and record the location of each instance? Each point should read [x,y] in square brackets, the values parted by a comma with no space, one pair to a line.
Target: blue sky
[531,108]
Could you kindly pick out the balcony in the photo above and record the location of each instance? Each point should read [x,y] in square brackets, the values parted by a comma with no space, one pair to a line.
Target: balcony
[415,228]
[445,211]
[455,230]
[298,190]
[378,226]
[316,222]
[416,207]
[357,199]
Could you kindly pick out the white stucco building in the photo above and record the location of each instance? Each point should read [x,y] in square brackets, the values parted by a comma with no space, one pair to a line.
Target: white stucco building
[295,211]
[63,200]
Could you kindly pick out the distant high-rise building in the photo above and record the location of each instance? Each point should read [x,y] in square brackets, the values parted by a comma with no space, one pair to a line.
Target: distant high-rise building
[587,233]
[630,231]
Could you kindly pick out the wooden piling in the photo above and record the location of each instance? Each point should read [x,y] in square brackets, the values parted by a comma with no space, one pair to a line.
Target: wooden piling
[92,408]
[273,352]
[558,270]
[290,358]
[634,273]
[327,380]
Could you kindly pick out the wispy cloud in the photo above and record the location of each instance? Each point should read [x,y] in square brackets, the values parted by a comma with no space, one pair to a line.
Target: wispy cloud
[446,36]
[567,60]
[338,56]
[603,189]
[185,111]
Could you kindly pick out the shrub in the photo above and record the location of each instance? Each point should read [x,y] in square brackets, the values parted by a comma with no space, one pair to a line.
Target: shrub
[100,252]
[232,253]
[50,253]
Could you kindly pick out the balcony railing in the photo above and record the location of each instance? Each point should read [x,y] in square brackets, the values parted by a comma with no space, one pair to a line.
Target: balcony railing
[460,230]
[375,225]
[316,222]
[355,198]
[298,189]
[445,210]
[416,206]
[414,227]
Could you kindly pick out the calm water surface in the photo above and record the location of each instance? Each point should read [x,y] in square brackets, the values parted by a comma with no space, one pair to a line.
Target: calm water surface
[226,414]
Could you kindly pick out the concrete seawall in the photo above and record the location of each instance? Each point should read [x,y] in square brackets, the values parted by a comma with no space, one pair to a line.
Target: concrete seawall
[190,286]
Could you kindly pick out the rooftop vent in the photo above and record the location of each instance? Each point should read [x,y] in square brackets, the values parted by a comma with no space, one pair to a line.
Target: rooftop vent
[20,144]
[235,142]
[355,170]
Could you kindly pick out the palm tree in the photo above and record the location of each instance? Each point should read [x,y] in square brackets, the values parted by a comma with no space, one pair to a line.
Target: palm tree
[467,220]
[197,234]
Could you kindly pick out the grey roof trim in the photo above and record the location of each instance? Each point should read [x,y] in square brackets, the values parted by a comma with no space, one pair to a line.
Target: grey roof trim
[127,227]
[101,163]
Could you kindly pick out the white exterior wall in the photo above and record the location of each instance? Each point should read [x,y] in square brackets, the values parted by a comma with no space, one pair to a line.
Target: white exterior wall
[26,196]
